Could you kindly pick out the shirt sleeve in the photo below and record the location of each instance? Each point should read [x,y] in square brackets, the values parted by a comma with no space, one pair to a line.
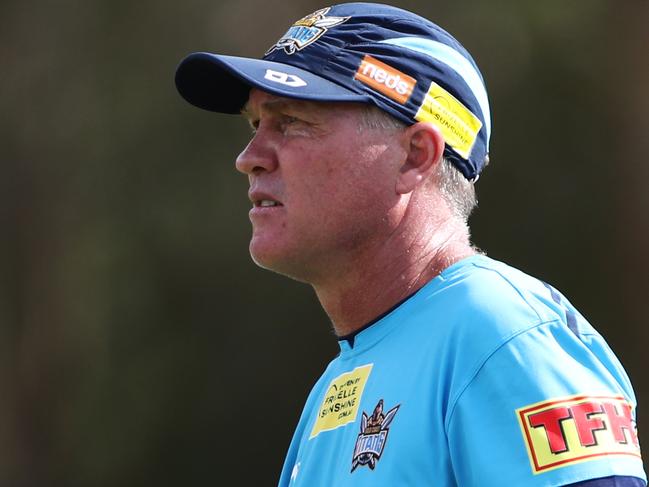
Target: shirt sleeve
[615,481]
[548,407]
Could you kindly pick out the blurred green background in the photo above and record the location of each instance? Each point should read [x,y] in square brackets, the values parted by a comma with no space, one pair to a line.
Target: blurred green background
[139,346]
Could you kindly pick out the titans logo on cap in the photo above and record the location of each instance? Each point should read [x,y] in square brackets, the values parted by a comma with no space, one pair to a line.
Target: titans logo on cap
[306,31]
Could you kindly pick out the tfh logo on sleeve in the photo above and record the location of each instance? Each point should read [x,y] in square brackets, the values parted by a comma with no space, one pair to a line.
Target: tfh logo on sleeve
[577,428]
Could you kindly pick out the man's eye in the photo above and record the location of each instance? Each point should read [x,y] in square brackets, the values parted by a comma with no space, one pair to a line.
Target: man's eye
[287,122]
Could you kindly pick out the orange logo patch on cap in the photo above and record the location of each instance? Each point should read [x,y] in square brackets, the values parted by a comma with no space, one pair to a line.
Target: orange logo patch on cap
[385,79]
[574,429]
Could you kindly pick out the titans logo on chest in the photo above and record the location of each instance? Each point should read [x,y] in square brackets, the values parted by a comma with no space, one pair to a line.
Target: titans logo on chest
[373,436]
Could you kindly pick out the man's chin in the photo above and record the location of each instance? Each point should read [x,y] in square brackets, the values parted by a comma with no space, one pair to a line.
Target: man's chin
[277,261]
[266,256]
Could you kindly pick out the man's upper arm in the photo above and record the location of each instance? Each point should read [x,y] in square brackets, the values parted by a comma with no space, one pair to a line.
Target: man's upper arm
[543,410]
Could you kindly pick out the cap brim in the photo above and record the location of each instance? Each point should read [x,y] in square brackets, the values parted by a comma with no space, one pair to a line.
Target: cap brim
[222,83]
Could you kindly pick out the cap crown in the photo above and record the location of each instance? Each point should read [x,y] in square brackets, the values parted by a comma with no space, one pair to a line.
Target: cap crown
[409,67]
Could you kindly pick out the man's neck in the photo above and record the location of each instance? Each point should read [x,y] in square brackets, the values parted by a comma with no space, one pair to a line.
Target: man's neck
[375,281]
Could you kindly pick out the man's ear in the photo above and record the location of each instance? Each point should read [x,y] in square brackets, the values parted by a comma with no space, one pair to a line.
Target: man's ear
[424,146]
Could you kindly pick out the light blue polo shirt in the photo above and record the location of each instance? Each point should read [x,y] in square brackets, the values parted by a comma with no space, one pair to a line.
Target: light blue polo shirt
[484,377]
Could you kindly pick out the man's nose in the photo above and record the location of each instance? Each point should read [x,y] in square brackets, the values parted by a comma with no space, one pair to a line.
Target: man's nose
[258,156]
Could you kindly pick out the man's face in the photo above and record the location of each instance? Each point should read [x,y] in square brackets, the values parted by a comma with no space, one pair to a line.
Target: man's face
[322,185]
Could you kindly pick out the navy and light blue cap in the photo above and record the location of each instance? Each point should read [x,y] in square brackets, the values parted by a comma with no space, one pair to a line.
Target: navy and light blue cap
[320,58]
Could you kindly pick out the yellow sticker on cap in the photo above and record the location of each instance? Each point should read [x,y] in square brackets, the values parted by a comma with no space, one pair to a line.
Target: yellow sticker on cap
[458,125]
[341,400]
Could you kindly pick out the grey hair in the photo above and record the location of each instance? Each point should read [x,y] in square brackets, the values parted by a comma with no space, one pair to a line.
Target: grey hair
[458,192]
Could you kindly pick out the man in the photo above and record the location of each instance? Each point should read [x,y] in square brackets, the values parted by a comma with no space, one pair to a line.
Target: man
[371,125]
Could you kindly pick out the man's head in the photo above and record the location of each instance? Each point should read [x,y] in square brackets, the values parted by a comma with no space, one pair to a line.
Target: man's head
[326,185]
[364,116]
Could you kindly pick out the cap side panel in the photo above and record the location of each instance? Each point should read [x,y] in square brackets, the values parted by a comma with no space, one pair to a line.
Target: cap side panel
[456,61]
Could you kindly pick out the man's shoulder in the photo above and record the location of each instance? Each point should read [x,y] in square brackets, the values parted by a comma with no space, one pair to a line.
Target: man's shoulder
[482,287]
[483,302]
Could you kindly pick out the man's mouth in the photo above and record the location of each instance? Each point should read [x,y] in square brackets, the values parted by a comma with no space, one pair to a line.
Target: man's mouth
[265,203]
[263,199]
